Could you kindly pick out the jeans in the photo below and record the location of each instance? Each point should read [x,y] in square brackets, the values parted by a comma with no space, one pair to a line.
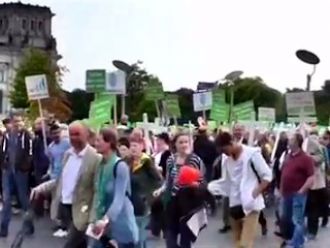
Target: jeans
[142,223]
[293,218]
[10,180]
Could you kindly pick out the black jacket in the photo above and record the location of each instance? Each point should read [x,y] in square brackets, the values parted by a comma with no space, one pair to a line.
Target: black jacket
[23,151]
[188,199]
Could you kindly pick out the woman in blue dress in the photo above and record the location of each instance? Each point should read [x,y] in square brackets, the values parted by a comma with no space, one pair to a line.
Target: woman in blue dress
[113,209]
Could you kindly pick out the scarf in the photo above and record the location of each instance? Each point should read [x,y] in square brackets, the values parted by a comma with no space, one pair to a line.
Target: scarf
[140,162]
[105,175]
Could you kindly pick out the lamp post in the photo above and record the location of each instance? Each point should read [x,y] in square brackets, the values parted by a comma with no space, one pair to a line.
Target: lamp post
[308,58]
[230,78]
[123,66]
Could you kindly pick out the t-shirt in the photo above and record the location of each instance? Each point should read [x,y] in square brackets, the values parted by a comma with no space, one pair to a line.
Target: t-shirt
[297,168]
[56,152]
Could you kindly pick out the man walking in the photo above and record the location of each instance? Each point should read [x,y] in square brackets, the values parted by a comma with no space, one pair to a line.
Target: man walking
[75,186]
[297,178]
[15,161]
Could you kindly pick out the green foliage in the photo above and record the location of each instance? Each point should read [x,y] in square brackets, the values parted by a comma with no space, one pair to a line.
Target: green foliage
[37,62]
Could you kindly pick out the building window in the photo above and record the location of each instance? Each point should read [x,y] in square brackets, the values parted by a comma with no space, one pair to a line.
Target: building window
[32,25]
[40,26]
[1,99]
[24,24]
[2,76]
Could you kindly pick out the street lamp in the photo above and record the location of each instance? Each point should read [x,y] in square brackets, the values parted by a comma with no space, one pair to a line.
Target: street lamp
[230,78]
[121,65]
[308,58]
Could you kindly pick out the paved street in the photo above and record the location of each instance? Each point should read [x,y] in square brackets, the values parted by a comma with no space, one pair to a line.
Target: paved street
[210,238]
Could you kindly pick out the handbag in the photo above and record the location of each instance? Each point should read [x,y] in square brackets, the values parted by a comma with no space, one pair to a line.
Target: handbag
[237,212]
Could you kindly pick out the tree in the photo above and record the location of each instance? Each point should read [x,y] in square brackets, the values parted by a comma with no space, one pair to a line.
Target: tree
[80,103]
[36,62]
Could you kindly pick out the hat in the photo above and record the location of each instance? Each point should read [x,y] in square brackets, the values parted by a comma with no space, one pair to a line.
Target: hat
[188,176]
[164,136]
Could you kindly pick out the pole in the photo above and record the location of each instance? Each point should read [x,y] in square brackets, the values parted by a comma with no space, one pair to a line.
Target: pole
[115,111]
[204,115]
[123,105]
[157,108]
[43,127]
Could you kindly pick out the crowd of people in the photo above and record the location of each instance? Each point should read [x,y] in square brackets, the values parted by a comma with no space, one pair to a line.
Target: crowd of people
[114,188]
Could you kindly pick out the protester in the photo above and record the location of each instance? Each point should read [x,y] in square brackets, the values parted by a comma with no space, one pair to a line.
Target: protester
[123,148]
[297,178]
[317,202]
[15,160]
[247,176]
[189,202]
[75,187]
[183,156]
[205,149]
[56,150]
[145,179]
[112,205]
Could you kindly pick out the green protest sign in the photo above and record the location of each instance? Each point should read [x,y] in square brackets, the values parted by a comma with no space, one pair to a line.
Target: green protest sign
[172,105]
[154,91]
[95,80]
[219,111]
[100,110]
[219,96]
[244,111]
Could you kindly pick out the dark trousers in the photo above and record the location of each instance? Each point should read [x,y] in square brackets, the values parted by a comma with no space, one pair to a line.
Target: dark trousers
[65,216]
[76,238]
[157,222]
[317,205]
[262,219]
[10,180]
[174,232]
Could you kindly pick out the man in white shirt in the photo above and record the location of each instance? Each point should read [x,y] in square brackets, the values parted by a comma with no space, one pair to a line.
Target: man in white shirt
[245,176]
[75,187]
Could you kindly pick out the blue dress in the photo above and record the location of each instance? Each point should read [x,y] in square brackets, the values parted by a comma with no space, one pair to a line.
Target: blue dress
[122,223]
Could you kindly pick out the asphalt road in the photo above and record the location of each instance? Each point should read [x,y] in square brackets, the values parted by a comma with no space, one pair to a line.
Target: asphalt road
[210,238]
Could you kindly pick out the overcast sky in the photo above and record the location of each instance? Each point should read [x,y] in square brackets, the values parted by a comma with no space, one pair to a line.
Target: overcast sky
[186,41]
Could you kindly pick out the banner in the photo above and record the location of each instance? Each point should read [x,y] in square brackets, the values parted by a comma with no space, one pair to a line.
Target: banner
[219,112]
[244,111]
[116,82]
[95,80]
[202,101]
[172,106]
[36,87]
[266,114]
[300,103]
[154,91]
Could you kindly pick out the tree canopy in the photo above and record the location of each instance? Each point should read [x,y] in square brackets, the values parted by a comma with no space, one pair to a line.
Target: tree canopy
[36,62]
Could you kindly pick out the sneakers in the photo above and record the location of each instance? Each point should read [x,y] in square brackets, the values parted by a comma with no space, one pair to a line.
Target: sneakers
[60,233]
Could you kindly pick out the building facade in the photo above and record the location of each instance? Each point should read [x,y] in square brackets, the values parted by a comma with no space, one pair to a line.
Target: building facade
[22,26]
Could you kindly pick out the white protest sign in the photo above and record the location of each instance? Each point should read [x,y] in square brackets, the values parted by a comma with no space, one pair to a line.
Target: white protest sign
[36,87]
[300,103]
[202,101]
[116,82]
[266,114]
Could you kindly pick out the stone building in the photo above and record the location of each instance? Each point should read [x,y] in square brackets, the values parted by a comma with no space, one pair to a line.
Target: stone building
[22,26]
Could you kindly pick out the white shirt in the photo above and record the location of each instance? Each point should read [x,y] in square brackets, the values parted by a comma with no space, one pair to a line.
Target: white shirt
[235,174]
[70,174]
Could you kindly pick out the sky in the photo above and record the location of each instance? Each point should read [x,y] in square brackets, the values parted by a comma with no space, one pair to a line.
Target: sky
[187,41]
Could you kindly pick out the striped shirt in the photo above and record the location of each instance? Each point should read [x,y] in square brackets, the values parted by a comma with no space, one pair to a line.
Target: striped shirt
[173,170]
